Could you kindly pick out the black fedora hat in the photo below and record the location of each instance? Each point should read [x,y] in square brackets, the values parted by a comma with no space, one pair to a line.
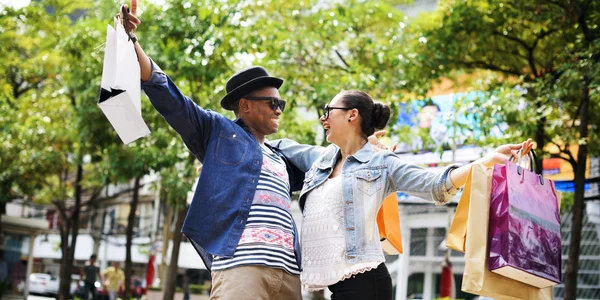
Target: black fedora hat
[246,81]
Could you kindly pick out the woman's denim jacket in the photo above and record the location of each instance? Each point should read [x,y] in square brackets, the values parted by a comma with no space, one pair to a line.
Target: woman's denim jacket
[368,177]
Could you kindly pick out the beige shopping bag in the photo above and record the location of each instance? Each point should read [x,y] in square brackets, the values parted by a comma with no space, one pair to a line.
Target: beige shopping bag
[477,279]
[458,229]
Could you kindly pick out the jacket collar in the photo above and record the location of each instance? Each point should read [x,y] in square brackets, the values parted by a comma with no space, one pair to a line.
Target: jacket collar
[363,155]
[241,123]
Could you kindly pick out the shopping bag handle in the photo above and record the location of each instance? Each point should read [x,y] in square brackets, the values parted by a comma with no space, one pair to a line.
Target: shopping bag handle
[534,163]
[124,12]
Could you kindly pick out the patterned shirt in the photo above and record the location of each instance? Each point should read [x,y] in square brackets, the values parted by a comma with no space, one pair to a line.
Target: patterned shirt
[268,238]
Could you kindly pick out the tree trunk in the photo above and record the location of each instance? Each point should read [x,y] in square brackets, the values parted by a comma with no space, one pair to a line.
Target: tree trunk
[64,247]
[68,249]
[96,221]
[165,246]
[130,225]
[2,213]
[540,137]
[540,132]
[170,285]
[578,204]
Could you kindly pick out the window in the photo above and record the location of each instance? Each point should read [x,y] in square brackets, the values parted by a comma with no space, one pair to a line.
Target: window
[418,241]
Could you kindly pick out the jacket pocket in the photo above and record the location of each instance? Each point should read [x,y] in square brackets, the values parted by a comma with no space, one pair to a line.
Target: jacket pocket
[231,149]
[369,181]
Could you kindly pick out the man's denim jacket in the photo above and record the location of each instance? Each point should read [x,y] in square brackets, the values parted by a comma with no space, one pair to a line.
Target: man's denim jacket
[368,177]
[232,161]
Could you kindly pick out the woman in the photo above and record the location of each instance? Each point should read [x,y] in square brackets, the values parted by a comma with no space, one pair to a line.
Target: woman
[344,187]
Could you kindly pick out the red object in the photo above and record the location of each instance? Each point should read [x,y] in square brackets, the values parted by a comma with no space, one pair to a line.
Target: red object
[551,163]
[149,273]
[447,281]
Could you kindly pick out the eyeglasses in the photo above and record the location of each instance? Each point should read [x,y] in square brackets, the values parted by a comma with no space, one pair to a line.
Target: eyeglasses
[275,102]
[329,108]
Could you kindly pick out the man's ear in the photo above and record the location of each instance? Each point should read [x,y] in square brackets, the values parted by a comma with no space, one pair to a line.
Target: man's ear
[244,105]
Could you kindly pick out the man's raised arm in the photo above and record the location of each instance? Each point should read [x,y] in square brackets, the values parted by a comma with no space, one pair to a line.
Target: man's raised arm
[189,120]
[144,60]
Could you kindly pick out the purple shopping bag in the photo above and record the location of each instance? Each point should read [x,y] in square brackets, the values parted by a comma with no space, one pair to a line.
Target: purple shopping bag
[524,226]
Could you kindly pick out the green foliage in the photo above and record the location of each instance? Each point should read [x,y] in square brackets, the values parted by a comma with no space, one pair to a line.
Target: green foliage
[334,47]
[529,62]
[521,56]
[566,201]
[196,289]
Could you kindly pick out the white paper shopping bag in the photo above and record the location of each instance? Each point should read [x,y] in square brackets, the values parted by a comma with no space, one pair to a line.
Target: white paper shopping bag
[120,94]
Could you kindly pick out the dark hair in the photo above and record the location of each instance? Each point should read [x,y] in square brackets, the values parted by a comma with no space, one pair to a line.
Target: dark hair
[93,256]
[235,107]
[373,114]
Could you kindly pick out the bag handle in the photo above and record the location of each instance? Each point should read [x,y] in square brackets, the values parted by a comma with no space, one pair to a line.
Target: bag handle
[124,12]
[533,163]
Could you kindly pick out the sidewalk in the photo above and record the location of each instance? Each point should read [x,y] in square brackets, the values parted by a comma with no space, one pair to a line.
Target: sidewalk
[152,295]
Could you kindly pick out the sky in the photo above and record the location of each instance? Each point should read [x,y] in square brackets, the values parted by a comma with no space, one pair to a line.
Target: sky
[14,3]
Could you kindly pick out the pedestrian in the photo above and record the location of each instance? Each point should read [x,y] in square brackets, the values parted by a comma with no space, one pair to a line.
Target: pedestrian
[91,274]
[113,279]
[240,219]
[344,188]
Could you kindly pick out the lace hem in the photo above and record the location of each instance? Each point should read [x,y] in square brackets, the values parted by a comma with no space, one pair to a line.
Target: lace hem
[316,281]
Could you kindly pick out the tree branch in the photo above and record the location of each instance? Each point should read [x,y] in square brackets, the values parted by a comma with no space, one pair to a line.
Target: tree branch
[10,104]
[557,3]
[343,60]
[514,39]
[512,52]
[577,113]
[564,150]
[571,158]
[582,22]
[62,210]
[543,35]
[488,66]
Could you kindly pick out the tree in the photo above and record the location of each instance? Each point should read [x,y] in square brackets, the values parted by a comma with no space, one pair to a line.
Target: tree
[548,48]
[176,183]
[27,66]
[335,46]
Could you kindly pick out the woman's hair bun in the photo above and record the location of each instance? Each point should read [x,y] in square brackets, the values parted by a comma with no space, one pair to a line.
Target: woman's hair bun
[381,114]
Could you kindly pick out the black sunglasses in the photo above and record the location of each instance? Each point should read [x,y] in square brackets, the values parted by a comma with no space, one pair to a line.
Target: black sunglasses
[275,102]
[329,108]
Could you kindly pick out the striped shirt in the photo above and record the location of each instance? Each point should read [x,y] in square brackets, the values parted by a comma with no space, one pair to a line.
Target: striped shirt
[268,237]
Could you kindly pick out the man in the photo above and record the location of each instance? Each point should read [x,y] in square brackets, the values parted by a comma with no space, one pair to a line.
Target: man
[114,278]
[89,273]
[240,219]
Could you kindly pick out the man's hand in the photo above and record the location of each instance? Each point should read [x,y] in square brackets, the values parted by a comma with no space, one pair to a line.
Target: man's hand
[132,19]
[133,23]
[377,144]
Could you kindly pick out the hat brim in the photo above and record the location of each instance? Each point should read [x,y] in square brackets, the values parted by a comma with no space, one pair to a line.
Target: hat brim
[260,82]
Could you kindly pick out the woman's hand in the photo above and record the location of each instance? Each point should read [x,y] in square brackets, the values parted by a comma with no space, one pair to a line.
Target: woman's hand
[504,152]
[458,177]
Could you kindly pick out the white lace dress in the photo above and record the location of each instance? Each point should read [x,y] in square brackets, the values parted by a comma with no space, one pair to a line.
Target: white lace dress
[322,239]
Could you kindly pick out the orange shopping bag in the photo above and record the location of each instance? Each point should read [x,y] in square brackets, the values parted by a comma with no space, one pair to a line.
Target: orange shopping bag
[388,221]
